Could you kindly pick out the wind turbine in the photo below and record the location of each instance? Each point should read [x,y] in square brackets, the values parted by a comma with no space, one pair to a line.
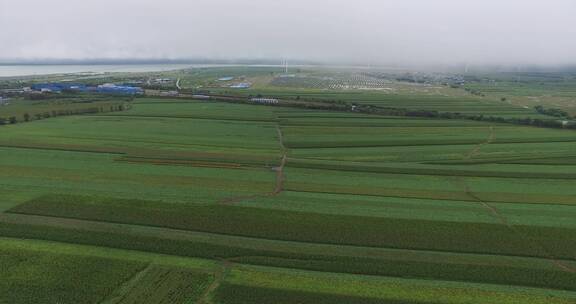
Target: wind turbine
[285,66]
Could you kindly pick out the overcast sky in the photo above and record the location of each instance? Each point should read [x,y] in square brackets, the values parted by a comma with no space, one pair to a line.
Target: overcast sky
[369,31]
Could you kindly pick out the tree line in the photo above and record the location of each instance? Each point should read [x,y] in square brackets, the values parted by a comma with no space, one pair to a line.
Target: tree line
[553,112]
[341,106]
[26,117]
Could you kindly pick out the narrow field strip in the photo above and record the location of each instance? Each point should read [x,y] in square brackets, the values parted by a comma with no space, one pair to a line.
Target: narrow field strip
[146,258]
[343,259]
[247,285]
[246,275]
[499,197]
[62,148]
[187,163]
[494,211]
[251,242]
[323,282]
[423,169]
[184,117]
[279,224]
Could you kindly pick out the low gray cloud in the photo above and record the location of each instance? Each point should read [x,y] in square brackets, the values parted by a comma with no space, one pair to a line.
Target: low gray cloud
[363,31]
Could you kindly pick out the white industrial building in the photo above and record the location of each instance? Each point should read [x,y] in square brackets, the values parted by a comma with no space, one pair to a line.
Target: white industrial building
[264,100]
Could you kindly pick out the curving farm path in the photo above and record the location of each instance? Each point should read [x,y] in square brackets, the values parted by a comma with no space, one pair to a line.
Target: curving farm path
[280,177]
[479,146]
[219,277]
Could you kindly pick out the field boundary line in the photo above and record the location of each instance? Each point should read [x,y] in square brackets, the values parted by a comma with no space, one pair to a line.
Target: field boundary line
[183,117]
[178,234]
[59,149]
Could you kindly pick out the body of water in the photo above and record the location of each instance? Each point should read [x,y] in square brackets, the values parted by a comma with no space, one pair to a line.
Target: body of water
[33,70]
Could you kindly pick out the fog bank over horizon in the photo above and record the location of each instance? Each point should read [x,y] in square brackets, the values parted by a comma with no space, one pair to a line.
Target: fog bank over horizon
[398,32]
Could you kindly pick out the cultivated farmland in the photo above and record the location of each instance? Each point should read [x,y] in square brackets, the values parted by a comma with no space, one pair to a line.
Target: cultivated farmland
[174,200]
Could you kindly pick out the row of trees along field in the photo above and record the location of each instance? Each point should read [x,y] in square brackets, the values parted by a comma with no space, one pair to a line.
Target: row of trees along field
[320,104]
[38,115]
[553,112]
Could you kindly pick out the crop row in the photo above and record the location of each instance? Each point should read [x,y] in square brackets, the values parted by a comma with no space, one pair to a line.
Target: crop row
[423,170]
[394,265]
[166,285]
[238,294]
[265,285]
[307,227]
[34,277]
[387,190]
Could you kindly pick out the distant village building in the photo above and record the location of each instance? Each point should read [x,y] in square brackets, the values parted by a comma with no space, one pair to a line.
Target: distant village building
[108,88]
[135,82]
[242,85]
[202,97]
[227,78]
[4,101]
[15,91]
[58,87]
[169,93]
[264,100]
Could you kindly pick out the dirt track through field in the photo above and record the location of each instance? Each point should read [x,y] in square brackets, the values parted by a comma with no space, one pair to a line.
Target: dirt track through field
[499,216]
[479,146]
[503,220]
[279,186]
[219,277]
[280,170]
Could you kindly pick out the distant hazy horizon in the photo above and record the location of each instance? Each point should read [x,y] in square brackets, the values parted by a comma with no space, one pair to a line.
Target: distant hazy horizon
[370,32]
[19,67]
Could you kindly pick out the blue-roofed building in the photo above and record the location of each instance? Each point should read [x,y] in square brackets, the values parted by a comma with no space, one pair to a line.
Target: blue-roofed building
[47,87]
[76,87]
[59,87]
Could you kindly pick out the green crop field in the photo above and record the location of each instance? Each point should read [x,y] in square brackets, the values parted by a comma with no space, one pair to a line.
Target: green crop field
[223,201]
